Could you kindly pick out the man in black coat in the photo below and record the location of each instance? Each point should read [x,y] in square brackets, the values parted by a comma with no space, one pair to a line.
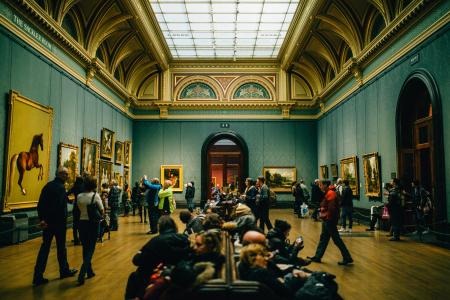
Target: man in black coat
[316,197]
[52,212]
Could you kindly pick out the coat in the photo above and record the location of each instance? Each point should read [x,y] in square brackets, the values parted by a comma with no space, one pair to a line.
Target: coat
[169,194]
[52,205]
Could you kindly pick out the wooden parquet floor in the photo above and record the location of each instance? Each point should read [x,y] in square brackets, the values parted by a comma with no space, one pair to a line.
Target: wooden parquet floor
[382,269]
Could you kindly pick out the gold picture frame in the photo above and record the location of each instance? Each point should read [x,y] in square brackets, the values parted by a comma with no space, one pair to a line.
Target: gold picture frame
[119,178]
[173,173]
[107,143]
[68,157]
[372,178]
[105,168]
[324,172]
[90,156]
[126,176]
[118,153]
[280,179]
[29,123]
[127,154]
[349,171]
[334,170]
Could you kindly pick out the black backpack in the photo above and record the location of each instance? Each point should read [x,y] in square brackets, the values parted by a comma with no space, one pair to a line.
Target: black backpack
[319,286]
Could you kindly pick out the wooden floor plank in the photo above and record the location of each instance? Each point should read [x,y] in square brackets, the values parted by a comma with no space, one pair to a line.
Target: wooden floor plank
[382,269]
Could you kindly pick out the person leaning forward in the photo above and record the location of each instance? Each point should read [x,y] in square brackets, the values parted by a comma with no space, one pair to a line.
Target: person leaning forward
[52,212]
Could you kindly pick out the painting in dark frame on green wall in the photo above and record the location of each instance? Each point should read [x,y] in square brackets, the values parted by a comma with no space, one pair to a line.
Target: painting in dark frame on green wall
[324,172]
[334,170]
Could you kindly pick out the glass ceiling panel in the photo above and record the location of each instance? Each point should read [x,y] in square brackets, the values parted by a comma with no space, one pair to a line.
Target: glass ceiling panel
[224,28]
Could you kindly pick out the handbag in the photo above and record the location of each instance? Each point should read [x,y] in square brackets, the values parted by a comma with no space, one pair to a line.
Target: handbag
[385,215]
[94,213]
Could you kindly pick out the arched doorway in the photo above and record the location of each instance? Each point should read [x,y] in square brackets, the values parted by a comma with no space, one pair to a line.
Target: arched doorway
[224,161]
[419,139]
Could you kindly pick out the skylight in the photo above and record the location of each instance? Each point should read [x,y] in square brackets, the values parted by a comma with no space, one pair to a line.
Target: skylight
[224,28]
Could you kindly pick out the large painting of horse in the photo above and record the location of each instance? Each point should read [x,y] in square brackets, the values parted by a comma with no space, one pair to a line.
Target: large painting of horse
[28,151]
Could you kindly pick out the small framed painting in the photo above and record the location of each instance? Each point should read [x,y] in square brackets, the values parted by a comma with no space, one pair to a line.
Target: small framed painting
[334,170]
[107,144]
[118,153]
[174,173]
[105,172]
[126,176]
[372,181]
[127,154]
[280,179]
[68,157]
[349,171]
[90,151]
[324,172]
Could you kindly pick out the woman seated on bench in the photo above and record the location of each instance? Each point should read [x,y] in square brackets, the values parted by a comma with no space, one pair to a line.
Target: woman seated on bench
[255,257]
[207,249]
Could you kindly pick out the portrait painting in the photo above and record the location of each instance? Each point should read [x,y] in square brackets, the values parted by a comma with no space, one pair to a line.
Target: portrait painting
[324,172]
[90,152]
[280,179]
[107,144]
[68,158]
[118,153]
[127,153]
[126,176]
[28,144]
[119,178]
[105,172]
[334,170]
[349,171]
[173,173]
[372,179]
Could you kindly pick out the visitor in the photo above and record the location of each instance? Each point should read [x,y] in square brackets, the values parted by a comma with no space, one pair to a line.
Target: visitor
[249,196]
[135,197]
[167,248]
[305,190]
[207,248]
[316,197]
[189,195]
[263,205]
[88,227]
[347,207]
[213,222]
[113,202]
[422,206]
[299,198]
[167,203]
[152,200]
[329,213]
[194,224]
[126,200]
[394,206]
[75,190]
[52,213]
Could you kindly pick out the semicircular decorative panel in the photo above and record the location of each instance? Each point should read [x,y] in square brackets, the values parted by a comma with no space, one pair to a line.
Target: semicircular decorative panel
[251,90]
[197,90]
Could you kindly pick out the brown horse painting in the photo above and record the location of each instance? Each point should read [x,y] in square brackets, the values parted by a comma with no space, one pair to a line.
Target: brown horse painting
[26,161]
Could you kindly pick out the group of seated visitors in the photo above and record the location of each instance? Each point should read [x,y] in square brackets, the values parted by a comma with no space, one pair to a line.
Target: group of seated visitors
[173,265]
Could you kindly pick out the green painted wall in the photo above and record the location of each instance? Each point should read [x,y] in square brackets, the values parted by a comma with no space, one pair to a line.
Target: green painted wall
[270,143]
[365,122]
[78,112]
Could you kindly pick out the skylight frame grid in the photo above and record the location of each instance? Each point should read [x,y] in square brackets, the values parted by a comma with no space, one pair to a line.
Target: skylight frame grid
[228,28]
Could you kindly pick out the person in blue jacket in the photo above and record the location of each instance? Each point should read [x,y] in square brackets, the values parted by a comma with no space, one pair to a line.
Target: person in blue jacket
[151,196]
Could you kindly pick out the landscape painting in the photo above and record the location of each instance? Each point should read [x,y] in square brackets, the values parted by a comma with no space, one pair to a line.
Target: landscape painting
[68,157]
[280,179]
[372,180]
[349,171]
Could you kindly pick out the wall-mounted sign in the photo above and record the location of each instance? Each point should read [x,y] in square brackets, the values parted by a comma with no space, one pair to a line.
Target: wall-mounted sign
[224,125]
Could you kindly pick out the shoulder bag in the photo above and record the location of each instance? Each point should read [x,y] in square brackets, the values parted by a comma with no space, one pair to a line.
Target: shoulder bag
[94,213]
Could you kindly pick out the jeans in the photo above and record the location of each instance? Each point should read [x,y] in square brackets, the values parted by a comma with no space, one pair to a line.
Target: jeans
[329,230]
[153,215]
[59,232]
[263,217]
[190,204]
[88,237]
[143,213]
[347,212]
[114,218]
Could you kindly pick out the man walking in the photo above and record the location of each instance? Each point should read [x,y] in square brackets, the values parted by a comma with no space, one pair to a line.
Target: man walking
[263,204]
[113,202]
[329,213]
[52,212]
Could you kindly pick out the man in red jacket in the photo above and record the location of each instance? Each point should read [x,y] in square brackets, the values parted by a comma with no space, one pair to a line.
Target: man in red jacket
[329,213]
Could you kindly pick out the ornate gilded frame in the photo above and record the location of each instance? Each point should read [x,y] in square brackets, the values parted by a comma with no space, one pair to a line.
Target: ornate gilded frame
[352,178]
[287,187]
[95,144]
[376,191]
[127,154]
[324,172]
[8,203]
[104,152]
[75,173]
[118,160]
[178,187]
[126,176]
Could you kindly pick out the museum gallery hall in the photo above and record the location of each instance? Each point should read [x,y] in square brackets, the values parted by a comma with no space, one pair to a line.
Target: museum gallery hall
[224,149]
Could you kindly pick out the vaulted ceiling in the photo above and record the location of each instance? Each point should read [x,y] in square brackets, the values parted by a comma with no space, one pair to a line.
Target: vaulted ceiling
[121,42]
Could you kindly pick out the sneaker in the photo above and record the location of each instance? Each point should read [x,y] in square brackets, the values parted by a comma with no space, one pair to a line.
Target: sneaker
[314,259]
[345,262]
[342,229]
[68,273]
[39,281]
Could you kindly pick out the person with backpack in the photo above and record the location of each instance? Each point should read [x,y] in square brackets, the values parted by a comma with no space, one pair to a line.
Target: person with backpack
[263,205]
[347,207]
